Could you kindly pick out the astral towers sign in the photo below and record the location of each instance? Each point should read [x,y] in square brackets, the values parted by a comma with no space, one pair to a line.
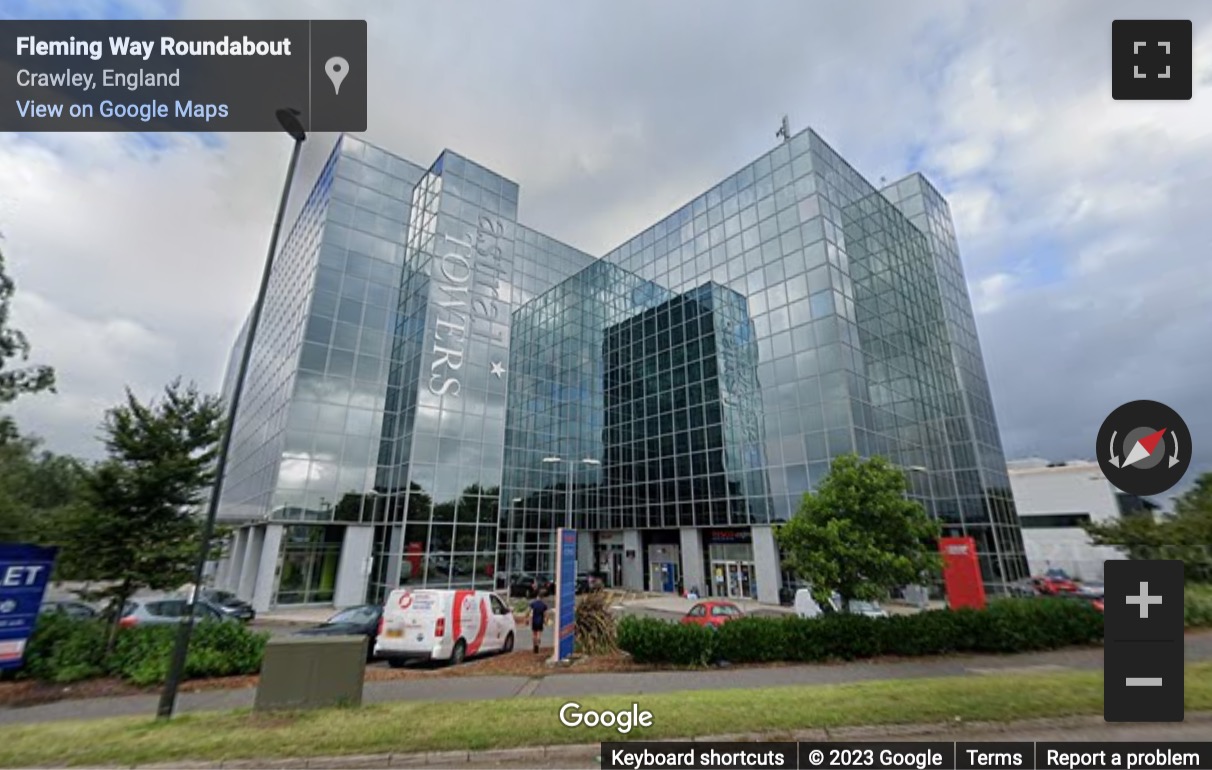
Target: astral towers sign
[467,269]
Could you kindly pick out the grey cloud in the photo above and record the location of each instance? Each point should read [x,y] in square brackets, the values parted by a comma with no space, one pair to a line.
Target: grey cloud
[609,115]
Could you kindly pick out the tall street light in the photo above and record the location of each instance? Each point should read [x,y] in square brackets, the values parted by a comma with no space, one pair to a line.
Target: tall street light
[571,466]
[288,118]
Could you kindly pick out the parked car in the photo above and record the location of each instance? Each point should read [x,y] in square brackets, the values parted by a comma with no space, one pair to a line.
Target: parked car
[76,610]
[1091,589]
[168,610]
[527,586]
[712,613]
[590,581]
[521,585]
[230,604]
[1054,585]
[444,624]
[808,607]
[870,609]
[362,620]
[1023,588]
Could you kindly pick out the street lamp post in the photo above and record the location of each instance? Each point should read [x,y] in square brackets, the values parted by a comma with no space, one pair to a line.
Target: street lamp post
[568,491]
[288,118]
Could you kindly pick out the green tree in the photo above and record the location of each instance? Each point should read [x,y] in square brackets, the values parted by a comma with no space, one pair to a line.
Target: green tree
[140,529]
[38,489]
[1185,535]
[14,346]
[859,535]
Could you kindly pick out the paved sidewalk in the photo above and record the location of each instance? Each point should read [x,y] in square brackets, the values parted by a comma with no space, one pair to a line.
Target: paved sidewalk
[468,688]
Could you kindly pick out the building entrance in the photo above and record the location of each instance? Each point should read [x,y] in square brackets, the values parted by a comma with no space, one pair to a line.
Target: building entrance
[664,568]
[732,567]
[733,579]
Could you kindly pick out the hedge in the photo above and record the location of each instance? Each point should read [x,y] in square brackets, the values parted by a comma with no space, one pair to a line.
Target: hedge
[64,649]
[1009,625]
[1197,606]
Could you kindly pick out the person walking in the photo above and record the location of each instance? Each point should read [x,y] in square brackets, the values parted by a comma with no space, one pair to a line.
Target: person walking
[538,617]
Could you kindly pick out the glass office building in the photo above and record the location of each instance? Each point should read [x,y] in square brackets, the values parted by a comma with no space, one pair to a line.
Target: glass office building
[434,386]
[634,417]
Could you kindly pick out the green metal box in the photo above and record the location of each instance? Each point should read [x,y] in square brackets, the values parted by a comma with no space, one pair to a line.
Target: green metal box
[308,672]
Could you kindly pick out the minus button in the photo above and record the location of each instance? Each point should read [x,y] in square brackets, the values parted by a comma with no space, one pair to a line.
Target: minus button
[1143,681]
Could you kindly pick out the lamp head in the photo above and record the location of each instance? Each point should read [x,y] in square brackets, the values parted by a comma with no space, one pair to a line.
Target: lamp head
[288,118]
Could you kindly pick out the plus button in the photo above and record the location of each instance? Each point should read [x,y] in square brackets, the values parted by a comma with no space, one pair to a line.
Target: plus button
[1144,600]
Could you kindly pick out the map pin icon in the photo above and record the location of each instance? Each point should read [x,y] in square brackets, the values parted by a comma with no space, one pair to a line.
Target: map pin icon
[337,68]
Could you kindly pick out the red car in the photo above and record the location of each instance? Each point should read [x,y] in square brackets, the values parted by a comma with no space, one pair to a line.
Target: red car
[712,613]
[1052,585]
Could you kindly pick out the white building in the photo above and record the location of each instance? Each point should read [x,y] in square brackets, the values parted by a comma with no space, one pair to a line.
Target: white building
[1054,500]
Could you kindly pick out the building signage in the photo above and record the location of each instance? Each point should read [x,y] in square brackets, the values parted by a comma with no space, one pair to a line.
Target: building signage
[566,596]
[721,536]
[467,269]
[25,572]
[962,573]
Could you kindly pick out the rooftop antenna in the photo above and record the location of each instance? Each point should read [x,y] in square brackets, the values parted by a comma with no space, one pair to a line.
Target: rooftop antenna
[784,130]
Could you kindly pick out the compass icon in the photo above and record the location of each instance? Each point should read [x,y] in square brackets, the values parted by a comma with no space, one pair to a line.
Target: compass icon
[1143,448]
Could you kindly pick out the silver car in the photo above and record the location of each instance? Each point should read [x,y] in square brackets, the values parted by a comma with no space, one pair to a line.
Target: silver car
[168,610]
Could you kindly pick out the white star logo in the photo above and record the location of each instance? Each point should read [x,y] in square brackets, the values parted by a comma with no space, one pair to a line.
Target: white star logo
[498,369]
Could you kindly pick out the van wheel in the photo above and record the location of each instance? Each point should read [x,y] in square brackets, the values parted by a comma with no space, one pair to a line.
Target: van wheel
[508,645]
[459,653]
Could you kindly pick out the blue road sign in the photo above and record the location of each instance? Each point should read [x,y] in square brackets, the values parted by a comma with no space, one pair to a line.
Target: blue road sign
[566,589]
[25,571]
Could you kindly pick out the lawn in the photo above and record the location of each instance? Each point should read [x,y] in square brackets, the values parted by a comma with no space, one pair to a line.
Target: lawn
[425,726]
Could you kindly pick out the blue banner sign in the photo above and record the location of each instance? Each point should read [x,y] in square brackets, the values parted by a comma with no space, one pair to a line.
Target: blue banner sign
[566,593]
[25,571]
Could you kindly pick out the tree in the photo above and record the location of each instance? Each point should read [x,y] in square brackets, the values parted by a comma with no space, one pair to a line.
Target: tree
[140,529]
[15,346]
[859,535]
[1185,535]
[37,490]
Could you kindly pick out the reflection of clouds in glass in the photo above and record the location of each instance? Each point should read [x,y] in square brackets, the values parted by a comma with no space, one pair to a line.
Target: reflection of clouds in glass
[296,470]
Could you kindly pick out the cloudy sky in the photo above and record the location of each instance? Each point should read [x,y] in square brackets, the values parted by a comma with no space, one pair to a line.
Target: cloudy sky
[1083,221]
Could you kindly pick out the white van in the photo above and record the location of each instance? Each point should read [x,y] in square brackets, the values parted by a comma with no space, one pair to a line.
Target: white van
[442,624]
[808,607]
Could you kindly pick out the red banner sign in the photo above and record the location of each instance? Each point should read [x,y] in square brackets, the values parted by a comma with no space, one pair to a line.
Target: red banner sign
[962,573]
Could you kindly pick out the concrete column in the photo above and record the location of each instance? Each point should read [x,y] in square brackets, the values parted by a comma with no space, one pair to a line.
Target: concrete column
[633,559]
[229,579]
[395,555]
[766,564]
[267,569]
[353,571]
[250,563]
[692,560]
[584,551]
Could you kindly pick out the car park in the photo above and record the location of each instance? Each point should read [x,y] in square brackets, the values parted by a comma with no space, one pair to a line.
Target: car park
[443,625]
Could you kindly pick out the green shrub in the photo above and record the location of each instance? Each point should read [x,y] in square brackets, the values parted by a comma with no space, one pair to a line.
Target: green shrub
[595,625]
[654,641]
[1010,625]
[142,655]
[63,649]
[1197,606]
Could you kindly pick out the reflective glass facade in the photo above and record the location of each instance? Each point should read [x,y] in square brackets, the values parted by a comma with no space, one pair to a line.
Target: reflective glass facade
[864,325]
[422,354]
[629,408]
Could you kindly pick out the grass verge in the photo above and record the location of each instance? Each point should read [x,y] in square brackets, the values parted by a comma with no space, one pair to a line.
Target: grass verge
[427,726]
